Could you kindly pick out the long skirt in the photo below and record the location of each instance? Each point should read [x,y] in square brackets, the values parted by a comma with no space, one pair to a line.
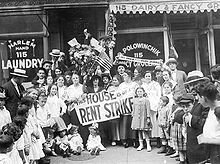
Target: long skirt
[155,127]
[125,128]
[114,130]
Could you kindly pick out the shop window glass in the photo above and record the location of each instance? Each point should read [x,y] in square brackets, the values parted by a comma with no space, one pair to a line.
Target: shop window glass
[25,53]
[216,17]
[125,21]
[20,24]
[147,46]
[217,45]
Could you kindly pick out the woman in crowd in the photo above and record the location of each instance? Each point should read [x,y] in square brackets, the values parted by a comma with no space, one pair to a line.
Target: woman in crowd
[61,84]
[138,75]
[114,124]
[153,91]
[49,81]
[127,88]
[167,77]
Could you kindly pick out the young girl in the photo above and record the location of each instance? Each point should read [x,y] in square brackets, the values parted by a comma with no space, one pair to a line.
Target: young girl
[94,145]
[141,118]
[16,153]
[163,112]
[57,105]
[6,142]
[5,116]
[62,144]
[32,131]
[75,140]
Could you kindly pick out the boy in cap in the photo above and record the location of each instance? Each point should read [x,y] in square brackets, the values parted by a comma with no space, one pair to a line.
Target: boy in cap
[195,120]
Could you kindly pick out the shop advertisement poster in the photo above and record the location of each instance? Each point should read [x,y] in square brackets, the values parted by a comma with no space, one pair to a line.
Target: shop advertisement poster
[24,54]
[104,106]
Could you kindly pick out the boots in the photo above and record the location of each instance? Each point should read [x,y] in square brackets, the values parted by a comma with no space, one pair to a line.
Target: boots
[148,145]
[163,149]
[159,144]
[141,145]
[170,151]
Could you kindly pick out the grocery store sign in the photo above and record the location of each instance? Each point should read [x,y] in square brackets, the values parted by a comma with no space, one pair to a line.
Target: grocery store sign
[164,6]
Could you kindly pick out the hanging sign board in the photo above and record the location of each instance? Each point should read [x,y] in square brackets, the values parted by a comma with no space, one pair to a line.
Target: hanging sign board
[139,54]
[24,54]
[173,6]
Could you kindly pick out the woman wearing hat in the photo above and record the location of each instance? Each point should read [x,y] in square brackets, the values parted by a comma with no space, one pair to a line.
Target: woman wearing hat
[5,116]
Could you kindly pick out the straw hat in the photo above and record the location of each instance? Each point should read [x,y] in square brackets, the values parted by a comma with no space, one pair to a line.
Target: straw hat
[19,73]
[55,52]
[195,76]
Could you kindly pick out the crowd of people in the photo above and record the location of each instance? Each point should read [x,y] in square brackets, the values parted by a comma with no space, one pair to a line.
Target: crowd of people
[180,112]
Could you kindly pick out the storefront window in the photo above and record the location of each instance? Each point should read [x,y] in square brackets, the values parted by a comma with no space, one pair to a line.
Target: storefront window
[20,24]
[217,45]
[147,48]
[125,21]
[26,53]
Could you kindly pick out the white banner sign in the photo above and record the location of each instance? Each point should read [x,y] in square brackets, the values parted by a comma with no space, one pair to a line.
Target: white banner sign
[103,106]
[180,6]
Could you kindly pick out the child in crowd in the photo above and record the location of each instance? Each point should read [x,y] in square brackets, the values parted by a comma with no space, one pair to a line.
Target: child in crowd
[163,112]
[75,140]
[5,116]
[167,91]
[6,146]
[62,144]
[32,130]
[16,154]
[141,118]
[56,104]
[94,145]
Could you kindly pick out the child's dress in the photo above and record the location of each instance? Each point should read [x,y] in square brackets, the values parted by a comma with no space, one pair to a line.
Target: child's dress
[5,159]
[36,148]
[5,117]
[94,141]
[62,143]
[75,141]
[140,113]
[57,106]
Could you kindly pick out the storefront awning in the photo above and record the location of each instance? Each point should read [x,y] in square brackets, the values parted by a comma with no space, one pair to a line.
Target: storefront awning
[164,6]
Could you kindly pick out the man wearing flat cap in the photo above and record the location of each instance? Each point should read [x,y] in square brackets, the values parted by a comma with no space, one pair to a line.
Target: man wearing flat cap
[195,120]
[14,90]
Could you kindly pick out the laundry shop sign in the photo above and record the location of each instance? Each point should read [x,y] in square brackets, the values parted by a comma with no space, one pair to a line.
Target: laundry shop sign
[22,54]
[142,54]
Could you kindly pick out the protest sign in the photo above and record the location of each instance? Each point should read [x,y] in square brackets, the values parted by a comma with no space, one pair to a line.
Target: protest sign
[103,106]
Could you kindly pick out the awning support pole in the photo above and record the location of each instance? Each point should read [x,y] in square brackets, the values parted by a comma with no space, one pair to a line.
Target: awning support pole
[165,38]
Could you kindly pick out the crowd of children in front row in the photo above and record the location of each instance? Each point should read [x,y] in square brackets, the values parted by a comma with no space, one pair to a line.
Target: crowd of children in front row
[26,138]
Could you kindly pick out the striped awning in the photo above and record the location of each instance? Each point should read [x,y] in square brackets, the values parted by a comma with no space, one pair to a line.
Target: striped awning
[164,6]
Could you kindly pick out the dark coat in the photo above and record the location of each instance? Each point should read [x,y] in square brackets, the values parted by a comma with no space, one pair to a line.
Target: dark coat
[195,152]
[13,97]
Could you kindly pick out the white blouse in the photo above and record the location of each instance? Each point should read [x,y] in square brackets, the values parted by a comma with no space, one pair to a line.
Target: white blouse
[56,105]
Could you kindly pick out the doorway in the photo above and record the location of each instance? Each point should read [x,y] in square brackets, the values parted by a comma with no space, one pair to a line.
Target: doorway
[186,46]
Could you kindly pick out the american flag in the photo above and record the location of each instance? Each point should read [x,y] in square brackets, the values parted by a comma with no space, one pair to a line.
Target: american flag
[104,60]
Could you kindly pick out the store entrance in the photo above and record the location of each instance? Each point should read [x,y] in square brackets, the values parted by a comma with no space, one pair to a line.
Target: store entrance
[186,47]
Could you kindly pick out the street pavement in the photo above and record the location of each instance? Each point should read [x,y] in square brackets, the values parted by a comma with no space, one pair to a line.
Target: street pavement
[121,155]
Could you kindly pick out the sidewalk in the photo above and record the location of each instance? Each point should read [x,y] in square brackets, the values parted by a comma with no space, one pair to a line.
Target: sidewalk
[120,155]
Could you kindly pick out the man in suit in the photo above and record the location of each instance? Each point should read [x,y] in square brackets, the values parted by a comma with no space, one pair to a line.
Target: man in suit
[177,75]
[195,120]
[14,90]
